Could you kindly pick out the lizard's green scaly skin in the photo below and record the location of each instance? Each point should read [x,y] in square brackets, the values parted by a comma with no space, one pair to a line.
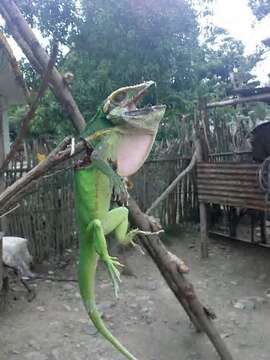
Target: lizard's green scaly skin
[95,182]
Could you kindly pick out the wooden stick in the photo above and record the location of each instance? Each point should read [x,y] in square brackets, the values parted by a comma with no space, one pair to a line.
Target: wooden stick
[1,264]
[239,100]
[173,184]
[19,40]
[10,211]
[169,266]
[203,213]
[57,155]
[31,112]
[40,56]
[61,153]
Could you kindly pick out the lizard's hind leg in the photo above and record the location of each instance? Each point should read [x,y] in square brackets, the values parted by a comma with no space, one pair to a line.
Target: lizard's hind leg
[116,221]
[95,231]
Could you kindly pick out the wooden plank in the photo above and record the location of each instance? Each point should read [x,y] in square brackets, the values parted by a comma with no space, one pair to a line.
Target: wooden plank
[227,171]
[243,203]
[239,100]
[238,191]
[232,178]
[225,165]
[234,196]
[246,183]
[1,262]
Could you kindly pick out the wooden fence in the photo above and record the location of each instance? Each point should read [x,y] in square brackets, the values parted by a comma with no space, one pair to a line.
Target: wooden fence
[154,177]
[46,215]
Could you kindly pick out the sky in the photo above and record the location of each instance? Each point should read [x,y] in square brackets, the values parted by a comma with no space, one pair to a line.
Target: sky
[237,18]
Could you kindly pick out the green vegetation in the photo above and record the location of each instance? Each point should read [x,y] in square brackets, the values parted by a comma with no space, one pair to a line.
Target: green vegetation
[107,44]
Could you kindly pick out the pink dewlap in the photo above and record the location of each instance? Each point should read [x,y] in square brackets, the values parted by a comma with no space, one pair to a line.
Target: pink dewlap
[132,153]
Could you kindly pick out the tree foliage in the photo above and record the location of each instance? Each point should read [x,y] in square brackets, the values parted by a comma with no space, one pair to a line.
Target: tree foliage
[115,43]
[260,8]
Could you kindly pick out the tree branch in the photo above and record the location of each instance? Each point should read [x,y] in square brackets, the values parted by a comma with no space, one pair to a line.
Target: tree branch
[58,155]
[19,40]
[37,55]
[31,112]
[173,184]
[240,100]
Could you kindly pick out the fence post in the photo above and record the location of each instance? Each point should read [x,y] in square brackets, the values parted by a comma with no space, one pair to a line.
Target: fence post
[3,283]
[1,261]
[4,144]
[203,147]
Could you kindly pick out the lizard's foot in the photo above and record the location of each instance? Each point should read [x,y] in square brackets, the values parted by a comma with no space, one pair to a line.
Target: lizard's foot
[111,263]
[120,192]
[133,233]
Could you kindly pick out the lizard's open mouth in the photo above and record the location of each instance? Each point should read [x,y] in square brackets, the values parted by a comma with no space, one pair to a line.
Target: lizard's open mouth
[147,117]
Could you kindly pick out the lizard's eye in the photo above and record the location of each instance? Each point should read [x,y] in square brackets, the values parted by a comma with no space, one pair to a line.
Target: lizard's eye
[119,97]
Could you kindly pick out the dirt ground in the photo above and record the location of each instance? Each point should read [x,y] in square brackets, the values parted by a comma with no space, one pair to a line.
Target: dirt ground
[234,282]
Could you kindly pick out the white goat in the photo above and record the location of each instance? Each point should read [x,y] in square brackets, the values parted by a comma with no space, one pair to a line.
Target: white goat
[17,257]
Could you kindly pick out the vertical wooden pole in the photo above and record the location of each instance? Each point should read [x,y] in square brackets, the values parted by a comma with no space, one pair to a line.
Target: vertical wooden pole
[202,145]
[4,148]
[2,154]
[1,262]
[203,213]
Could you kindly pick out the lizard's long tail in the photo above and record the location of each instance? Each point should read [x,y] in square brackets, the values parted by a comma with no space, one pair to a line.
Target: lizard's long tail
[99,324]
[87,272]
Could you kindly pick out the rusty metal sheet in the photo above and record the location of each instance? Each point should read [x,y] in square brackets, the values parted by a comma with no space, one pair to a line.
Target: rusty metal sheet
[234,184]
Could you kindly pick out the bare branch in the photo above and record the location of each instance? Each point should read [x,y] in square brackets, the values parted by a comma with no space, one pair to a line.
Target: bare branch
[240,100]
[35,173]
[39,58]
[61,153]
[174,183]
[31,112]
[19,40]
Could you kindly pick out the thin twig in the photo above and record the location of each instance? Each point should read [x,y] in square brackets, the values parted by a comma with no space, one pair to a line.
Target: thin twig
[51,278]
[31,112]
[10,211]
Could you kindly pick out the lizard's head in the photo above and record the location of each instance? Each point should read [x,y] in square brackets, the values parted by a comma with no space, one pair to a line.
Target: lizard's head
[139,125]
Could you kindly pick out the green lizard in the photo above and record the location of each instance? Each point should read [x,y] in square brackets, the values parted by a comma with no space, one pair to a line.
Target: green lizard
[121,139]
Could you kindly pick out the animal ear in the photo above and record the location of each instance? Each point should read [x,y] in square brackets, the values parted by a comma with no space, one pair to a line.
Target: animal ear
[132,151]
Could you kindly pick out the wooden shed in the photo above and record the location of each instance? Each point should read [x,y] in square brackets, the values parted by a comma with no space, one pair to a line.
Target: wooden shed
[232,180]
